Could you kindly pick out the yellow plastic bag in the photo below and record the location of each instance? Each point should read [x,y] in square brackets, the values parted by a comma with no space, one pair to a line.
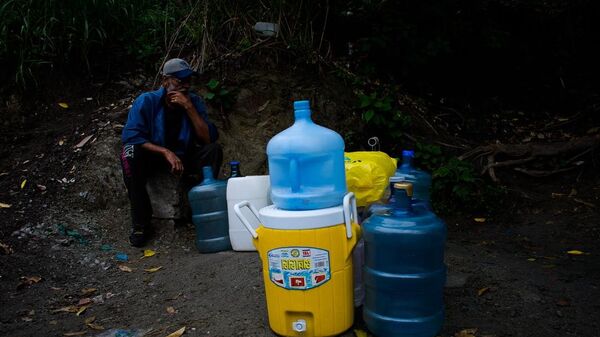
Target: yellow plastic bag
[368,174]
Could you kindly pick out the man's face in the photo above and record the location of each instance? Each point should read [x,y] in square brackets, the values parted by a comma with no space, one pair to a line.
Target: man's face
[171,83]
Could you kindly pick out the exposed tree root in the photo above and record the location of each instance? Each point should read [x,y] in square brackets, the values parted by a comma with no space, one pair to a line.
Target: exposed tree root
[519,154]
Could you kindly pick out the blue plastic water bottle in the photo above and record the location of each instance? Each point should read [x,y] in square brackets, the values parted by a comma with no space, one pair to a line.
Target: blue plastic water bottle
[404,272]
[209,213]
[420,179]
[234,169]
[306,164]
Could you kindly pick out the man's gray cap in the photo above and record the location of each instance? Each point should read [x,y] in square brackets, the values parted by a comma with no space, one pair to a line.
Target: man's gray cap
[178,68]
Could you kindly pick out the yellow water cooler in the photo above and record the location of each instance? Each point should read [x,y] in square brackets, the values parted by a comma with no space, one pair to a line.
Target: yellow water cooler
[307,266]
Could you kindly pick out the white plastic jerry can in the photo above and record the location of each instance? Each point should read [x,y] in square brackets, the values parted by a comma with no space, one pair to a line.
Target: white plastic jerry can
[254,189]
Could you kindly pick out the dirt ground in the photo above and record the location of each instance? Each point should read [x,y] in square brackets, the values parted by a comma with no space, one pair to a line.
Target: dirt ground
[510,275]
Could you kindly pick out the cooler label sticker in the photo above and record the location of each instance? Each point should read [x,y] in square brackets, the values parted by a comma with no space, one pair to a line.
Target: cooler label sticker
[299,268]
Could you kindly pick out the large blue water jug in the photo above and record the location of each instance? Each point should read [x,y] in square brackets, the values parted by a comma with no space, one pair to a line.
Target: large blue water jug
[209,213]
[404,272]
[306,164]
[386,205]
[420,179]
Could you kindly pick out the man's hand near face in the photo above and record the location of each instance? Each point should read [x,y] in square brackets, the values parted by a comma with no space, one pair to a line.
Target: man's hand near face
[178,98]
[177,95]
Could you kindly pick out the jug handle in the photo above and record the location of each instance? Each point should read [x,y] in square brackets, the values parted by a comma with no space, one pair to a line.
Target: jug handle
[350,201]
[243,219]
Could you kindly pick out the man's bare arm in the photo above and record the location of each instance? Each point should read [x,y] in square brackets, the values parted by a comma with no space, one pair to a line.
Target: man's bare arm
[170,157]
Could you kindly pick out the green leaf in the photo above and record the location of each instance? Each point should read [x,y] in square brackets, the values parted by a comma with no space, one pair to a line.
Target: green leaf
[223,92]
[386,105]
[365,101]
[212,84]
[442,172]
[465,175]
[368,115]
[209,95]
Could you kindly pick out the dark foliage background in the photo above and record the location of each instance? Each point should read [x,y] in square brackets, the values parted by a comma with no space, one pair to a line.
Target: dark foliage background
[481,63]
[534,54]
[537,54]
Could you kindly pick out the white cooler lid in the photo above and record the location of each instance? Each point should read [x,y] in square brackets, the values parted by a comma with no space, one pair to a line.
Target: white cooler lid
[276,218]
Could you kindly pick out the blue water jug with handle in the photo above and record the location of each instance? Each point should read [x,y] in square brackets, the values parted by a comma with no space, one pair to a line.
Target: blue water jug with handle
[420,179]
[209,213]
[306,164]
[387,205]
[404,271]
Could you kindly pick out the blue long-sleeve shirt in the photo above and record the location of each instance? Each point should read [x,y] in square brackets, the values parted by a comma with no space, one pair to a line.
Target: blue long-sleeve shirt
[146,122]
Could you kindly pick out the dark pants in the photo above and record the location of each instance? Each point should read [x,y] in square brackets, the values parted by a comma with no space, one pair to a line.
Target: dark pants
[138,164]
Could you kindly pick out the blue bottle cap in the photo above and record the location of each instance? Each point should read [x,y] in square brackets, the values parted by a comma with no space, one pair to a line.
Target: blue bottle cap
[408,153]
[302,105]
[235,162]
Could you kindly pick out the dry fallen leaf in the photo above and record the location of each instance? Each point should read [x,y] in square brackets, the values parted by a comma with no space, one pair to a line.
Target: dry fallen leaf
[480,220]
[589,204]
[563,302]
[90,320]
[483,291]
[264,106]
[23,183]
[125,268]
[95,326]
[575,252]
[170,310]
[63,105]
[3,205]
[360,333]
[84,301]
[152,270]
[466,333]
[148,253]
[28,280]
[88,291]
[176,296]
[70,308]
[83,142]
[531,259]
[79,333]
[81,310]
[177,333]
[34,279]
[6,249]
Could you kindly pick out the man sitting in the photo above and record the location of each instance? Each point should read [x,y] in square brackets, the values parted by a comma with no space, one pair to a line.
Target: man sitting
[166,129]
